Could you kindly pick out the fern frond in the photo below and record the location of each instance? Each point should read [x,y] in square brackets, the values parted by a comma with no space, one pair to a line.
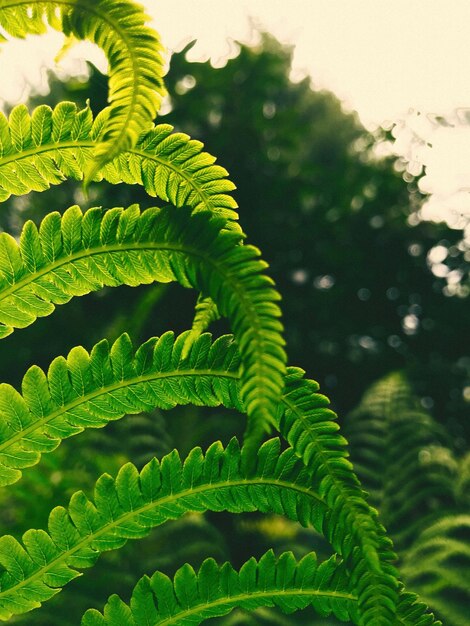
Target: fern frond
[437,566]
[281,582]
[133,51]
[76,254]
[129,506]
[412,485]
[51,145]
[89,390]
[351,526]
[216,590]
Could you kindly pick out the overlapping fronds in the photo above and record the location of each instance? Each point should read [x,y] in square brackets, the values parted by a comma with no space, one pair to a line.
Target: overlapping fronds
[437,566]
[133,51]
[129,506]
[75,254]
[216,590]
[90,390]
[51,145]
[351,525]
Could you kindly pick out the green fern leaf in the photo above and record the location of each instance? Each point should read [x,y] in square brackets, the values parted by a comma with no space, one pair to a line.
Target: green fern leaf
[216,590]
[280,582]
[415,489]
[353,529]
[133,51]
[81,253]
[60,143]
[129,506]
[411,486]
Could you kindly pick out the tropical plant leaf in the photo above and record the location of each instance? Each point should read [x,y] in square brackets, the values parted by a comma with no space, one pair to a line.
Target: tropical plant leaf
[133,51]
[52,145]
[75,254]
[418,489]
[129,506]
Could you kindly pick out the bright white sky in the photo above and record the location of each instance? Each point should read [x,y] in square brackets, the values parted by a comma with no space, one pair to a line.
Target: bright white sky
[386,59]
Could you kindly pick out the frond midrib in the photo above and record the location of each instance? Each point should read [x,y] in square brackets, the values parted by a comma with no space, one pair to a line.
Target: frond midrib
[238,598]
[102,391]
[169,499]
[90,143]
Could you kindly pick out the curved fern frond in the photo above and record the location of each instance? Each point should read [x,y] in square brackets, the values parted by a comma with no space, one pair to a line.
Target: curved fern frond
[133,51]
[129,506]
[89,390]
[51,145]
[417,490]
[216,590]
[281,582]
[351,526]
[76,254]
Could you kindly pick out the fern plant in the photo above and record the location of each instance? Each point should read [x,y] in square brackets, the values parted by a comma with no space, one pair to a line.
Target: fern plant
[421,490]
[195,241]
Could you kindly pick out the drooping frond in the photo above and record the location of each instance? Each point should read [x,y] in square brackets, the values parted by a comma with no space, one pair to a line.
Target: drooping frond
[437,566]
[133,51]
[76,254]
[352,526]
[51,145]
[129,506]
[216,590]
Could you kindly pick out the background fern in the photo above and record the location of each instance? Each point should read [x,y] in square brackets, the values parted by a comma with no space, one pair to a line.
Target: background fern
[421,491]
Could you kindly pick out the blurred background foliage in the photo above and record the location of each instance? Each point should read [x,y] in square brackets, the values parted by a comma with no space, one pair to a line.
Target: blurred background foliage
[338,226]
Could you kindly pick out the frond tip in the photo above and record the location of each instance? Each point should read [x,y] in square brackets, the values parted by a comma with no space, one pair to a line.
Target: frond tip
[133,51]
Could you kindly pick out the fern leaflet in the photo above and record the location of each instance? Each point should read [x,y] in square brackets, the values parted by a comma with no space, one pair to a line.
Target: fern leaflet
[215,590]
